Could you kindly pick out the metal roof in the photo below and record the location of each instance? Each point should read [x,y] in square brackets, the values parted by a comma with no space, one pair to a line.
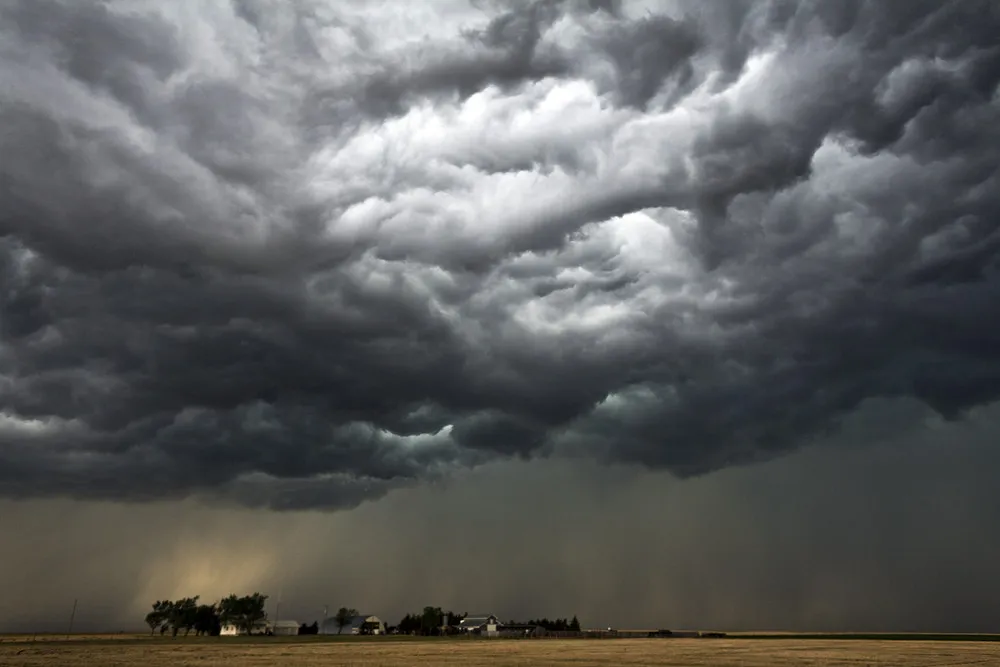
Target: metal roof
[478,620]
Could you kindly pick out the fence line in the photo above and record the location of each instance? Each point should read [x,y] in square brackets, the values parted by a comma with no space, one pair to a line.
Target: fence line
[557,634]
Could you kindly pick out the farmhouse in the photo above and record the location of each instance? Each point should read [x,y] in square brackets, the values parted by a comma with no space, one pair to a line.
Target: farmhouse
[231,630]
[357,625]
[486,624]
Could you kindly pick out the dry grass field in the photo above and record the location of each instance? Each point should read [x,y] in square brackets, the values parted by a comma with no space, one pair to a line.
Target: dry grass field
[301,652]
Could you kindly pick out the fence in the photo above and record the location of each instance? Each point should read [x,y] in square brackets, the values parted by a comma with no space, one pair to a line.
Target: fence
[585,634]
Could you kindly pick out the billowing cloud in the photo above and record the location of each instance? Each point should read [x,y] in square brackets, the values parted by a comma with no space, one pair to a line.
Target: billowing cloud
[297,256]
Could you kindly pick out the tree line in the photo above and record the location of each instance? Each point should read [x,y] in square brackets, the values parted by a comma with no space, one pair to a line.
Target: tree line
[428,622]
[246,612]
[206,619]
[431,620]
[557,625]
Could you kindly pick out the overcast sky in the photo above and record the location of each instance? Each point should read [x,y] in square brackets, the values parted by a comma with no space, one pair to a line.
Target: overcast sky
[661,313]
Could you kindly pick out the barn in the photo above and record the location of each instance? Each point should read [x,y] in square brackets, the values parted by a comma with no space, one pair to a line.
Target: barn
[357,625]
[485,624]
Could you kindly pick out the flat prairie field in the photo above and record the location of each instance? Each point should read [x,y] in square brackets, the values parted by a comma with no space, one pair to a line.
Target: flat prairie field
[125,651]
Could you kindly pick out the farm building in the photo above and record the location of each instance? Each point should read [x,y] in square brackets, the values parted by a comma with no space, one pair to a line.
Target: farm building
[357,625]
[285,628]
[230,630]
[486,624]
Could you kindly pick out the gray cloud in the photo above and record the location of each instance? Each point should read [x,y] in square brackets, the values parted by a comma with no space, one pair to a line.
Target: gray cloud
[886,526]
[300,256]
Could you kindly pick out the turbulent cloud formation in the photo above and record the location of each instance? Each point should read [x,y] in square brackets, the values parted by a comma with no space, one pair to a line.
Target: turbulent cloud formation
[298,254]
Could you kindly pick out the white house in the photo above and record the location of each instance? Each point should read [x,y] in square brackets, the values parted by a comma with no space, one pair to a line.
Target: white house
[231,630]
[486,624]
[357,625]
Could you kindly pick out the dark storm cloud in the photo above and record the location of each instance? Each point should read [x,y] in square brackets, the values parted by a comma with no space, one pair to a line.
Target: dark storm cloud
[298,256]
[837,537]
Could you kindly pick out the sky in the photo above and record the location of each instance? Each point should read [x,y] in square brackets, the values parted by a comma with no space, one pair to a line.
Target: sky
[661,313]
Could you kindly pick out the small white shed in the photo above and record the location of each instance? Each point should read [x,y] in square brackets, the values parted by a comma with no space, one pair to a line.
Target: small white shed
[285,628]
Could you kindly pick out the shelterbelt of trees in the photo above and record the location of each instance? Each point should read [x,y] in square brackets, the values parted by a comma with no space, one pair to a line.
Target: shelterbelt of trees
[206,619]
[432,619]
[245,612]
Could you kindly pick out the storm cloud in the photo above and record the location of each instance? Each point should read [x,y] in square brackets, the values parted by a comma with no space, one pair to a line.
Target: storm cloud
[297,255]
[890,525]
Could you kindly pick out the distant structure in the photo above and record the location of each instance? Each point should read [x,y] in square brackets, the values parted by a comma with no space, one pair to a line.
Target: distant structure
[259,628]
[357,625]
[485,624]
[285,628]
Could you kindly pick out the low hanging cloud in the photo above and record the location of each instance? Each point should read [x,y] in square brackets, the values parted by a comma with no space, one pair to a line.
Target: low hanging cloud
[297,256]
[838,536]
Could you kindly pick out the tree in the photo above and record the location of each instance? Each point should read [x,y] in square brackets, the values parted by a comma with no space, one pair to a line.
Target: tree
[243,612]
[574,625]
[159,616]
[182,614]
[206,620]
[153,621]
[409,624]
[343,617]
[431,620]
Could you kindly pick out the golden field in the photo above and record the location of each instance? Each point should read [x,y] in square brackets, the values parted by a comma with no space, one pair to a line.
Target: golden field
[132,651]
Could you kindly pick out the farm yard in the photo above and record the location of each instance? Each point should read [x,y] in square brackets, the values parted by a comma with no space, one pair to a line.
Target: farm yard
[136,651]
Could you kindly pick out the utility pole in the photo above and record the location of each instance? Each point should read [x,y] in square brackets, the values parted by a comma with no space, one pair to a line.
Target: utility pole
[72,616]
